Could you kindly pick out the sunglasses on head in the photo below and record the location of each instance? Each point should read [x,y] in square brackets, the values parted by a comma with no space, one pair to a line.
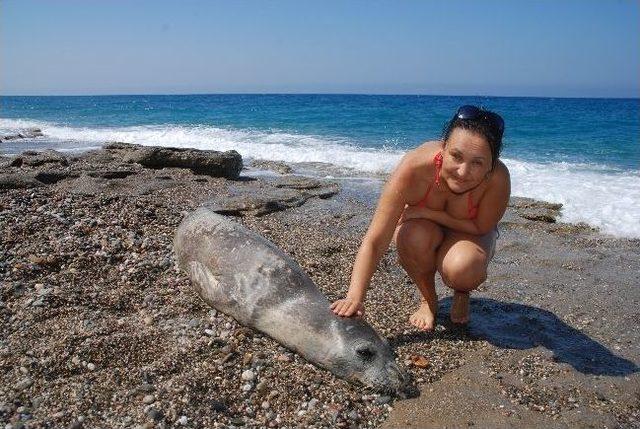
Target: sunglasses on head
[473,112]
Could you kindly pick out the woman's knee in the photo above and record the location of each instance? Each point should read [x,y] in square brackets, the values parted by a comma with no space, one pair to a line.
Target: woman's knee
[464,272]
[417,240]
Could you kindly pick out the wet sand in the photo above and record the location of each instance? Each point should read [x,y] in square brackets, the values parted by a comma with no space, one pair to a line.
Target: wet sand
[100,330]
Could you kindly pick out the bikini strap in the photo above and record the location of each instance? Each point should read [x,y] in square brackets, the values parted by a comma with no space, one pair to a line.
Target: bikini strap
[437,159]
[438,162]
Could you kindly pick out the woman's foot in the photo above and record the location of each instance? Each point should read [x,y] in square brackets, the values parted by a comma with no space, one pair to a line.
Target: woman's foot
[425,317]
[460,308]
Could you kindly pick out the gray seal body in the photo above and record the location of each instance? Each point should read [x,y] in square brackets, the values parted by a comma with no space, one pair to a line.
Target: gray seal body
[248,278]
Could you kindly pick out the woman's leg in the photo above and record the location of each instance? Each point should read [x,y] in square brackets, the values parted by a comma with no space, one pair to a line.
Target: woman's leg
[417,241]
[462,261]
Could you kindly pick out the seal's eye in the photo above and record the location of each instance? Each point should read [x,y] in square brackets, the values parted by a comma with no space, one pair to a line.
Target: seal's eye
[365,352]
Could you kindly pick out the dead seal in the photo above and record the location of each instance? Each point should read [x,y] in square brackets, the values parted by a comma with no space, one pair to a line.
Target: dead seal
[243,275]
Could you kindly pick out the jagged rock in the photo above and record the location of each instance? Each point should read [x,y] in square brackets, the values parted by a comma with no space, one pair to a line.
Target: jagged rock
[277,166]
[24,134]
[33,158]
[18,181]
[209,162]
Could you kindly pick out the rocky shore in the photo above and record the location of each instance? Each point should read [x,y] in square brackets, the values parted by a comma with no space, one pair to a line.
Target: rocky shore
[98,328]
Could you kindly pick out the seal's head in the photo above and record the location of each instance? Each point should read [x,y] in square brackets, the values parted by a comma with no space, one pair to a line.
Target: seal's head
[363,356]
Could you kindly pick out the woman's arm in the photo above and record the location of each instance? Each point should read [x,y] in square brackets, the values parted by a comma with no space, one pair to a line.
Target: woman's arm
[492,208]
[441,217]
[376,240]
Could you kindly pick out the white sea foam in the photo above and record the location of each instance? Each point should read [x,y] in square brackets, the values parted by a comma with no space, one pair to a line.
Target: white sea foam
[606,198]
[272,146]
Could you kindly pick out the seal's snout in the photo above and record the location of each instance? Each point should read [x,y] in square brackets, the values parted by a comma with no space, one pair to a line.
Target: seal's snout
[400,383]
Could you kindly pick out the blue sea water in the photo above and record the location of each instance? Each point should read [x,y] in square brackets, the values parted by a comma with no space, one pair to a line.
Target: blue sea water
[584,153]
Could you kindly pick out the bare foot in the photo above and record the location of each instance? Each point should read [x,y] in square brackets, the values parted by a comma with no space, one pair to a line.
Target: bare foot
[460,308]
[425,317]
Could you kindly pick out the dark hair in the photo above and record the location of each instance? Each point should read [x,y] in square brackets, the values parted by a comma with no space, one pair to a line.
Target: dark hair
[480,126]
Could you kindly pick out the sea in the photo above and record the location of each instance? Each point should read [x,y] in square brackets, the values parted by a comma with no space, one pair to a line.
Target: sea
[580,152]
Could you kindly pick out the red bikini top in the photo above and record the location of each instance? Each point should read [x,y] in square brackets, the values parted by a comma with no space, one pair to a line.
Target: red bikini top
[472,209]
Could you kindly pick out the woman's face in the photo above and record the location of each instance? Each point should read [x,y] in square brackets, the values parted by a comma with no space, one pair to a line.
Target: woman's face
[466,160]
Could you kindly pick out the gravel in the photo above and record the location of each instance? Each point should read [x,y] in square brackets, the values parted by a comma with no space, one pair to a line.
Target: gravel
[97,322]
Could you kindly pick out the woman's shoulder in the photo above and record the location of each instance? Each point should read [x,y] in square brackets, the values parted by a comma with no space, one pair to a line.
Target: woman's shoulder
[416,167]
[424,153]
[501,172]
[500,180]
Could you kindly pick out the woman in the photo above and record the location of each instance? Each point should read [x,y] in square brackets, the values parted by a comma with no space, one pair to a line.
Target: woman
[441,206]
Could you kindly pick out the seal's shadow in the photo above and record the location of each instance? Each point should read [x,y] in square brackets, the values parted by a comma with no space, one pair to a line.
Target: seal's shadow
[517,326]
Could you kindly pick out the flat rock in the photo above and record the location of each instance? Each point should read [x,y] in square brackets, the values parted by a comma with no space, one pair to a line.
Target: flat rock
[275,195]
[49,177]
[18,181]
[31,158]
[28,133]
[208,162]
[277,166]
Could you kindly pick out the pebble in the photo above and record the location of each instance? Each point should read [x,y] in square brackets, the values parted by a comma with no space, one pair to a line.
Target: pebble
[218,406]
[275,372]
[25,383]
[155,414]
[149,399]
[247,387]
[261,388]
[248,375]
[381,400]
[91,366]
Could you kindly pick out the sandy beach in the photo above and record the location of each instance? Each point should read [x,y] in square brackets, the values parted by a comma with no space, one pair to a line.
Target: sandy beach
[99,329]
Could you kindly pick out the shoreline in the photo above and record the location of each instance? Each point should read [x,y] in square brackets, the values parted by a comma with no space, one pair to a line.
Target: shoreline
[100,329]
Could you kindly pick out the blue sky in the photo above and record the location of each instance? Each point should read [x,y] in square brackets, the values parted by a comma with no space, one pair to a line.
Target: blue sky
[568,48]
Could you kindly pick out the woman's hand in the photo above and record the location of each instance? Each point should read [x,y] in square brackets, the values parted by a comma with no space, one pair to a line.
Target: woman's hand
[413,212]
[347,307]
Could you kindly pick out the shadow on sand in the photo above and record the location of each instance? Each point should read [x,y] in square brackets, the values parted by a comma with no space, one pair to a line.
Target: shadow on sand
[517,326]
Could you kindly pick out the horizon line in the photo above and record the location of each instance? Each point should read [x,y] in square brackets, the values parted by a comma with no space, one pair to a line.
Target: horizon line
[315,93]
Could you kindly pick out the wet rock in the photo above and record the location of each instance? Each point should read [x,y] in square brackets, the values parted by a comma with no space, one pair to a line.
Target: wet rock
[536,210]
[277,166]
[28,133]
